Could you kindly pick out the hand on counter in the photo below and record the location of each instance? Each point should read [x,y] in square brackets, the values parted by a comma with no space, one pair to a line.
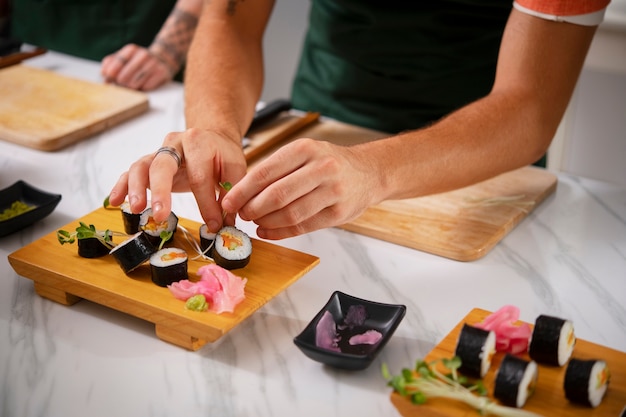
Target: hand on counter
[206,160]
[136,67]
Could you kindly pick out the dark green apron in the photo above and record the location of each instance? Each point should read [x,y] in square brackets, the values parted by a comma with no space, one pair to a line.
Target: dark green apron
[89,29]
[394,66]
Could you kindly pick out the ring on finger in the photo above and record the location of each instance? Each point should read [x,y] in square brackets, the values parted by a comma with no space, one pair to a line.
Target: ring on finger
[171,152]
[121,59]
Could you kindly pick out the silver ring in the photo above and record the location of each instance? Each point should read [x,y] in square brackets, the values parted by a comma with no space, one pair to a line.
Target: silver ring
[172,152]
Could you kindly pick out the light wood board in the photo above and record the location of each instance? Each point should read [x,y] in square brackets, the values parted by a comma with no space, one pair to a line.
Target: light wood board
[446,224]
[548,399]
[61,275]
[47,111]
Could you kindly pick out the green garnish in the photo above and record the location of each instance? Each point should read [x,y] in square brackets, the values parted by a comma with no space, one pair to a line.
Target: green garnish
[165,236]
[84,232]
[226,185]
[17,207]
[197,303]
[426,381]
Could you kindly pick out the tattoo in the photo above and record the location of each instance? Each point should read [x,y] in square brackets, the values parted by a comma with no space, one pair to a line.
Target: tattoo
[232,4]
[176,37]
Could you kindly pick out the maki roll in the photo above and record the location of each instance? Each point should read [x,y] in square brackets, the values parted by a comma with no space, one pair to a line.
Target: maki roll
[552,341]
[132,252]
[475,348]
[131,220]
[232,248]
[154,229]
[168,265]
[586,381]
[516,380]
[206,239]
[92,247]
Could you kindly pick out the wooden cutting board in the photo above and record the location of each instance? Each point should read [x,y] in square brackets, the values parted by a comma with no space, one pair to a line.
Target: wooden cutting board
[61,275]
[548,399]
[463,225]
[47,111]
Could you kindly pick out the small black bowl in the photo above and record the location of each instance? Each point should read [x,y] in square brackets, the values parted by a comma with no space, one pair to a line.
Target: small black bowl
[43,202]
[384,318]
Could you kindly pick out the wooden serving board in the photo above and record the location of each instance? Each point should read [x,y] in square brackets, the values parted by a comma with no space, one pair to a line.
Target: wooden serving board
[61,275]
[548,399]
[47,111]
[447,224]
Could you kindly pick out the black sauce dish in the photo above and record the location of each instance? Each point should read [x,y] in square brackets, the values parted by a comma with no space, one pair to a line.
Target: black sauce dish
[381,317]
[43,204]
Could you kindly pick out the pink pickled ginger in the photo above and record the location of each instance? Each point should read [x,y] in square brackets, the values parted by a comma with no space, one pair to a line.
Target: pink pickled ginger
[222,289]
[510,337]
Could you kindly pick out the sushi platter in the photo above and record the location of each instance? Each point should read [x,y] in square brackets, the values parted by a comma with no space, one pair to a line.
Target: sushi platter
[462,225]
[61,275]
[548,398]
[47,111]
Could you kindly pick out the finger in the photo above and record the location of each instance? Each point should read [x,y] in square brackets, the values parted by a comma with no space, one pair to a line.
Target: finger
[119,191]
[114,63]
[138,183]
[277,166]
[319,221]
[162,170]
[153,80]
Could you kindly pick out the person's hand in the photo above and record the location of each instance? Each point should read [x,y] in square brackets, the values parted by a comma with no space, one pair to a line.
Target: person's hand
[136,67]
[206,160]
[304,186]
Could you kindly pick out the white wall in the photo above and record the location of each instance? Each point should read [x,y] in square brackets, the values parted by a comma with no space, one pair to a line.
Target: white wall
[592,138]
[282,44]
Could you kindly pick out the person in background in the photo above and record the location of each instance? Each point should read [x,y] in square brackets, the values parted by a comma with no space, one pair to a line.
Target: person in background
[468,89]
[142,44]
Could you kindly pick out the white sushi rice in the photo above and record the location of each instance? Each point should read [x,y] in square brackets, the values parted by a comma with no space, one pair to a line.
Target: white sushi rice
[567,340]
[488,350]
[527,384]
[597,391]
[234,254]
[124,243]
[158,259]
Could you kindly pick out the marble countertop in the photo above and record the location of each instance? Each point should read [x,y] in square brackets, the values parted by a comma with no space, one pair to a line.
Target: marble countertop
[568,258]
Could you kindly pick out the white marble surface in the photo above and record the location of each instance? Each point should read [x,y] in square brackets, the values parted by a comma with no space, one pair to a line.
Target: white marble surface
[568,258]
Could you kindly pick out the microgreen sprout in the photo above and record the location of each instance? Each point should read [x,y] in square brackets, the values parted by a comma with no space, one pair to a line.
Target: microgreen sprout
[426,381]
[226,185]
[84,231]
[165,236]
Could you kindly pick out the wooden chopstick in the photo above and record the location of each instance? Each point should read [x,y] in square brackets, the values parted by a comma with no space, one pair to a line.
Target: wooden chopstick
[255,150]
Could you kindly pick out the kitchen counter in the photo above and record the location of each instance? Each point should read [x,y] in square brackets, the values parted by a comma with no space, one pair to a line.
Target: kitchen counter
[568,258]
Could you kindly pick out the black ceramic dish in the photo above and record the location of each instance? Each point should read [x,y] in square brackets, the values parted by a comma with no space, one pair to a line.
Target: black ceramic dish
[384,318]
[43,202]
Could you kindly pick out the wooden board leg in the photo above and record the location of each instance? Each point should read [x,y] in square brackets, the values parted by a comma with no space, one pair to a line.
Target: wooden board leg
[178,338]
[56,294]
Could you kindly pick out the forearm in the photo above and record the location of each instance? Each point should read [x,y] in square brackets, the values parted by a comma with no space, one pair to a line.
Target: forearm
[225,72]
[173,40]
[538,66]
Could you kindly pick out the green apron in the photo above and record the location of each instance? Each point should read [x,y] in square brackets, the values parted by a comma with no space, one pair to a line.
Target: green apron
[89,29]
[394,66]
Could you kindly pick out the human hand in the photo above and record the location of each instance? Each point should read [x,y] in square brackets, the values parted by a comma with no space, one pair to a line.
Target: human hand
[206,160]
[304,186]
[136,67]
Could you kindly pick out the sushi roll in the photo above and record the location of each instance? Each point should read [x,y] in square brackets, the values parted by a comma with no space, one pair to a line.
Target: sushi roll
[92,247]
[586,381]
[131,220]
[475,347]
[132,252]
[232,248]
[206,239]
[515,381]
[154,229]
[168,265]
[552,341]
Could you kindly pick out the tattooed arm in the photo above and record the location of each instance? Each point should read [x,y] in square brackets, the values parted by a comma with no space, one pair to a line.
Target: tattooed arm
[148,68]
